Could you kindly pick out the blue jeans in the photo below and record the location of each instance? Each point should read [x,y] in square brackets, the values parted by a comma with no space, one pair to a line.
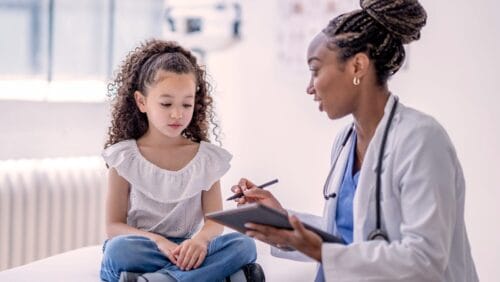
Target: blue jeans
[132,253]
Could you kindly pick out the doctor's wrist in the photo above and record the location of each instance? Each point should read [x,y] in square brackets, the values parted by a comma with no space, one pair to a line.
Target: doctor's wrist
[318,254]
[314,250]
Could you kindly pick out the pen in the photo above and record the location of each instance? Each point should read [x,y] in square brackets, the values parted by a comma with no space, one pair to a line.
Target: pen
[235,196]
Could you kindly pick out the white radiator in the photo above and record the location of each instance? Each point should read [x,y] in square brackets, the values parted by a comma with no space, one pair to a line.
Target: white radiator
[49,206]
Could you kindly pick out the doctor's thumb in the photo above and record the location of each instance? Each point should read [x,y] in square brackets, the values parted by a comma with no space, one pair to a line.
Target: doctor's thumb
[295,222]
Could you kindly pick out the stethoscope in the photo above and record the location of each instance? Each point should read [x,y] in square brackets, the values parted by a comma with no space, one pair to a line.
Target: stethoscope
[378,233]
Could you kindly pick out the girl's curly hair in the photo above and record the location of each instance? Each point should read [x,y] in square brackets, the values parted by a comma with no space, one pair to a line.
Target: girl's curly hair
[137,72]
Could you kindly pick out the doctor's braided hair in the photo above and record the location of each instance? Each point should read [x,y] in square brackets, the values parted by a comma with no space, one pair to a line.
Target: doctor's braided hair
[137,72]
[379,29]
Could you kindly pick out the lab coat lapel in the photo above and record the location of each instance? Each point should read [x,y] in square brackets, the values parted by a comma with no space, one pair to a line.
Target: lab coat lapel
[364,215]
[336,181]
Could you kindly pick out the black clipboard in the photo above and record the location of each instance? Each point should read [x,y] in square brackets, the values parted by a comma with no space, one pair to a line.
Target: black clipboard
[261,214]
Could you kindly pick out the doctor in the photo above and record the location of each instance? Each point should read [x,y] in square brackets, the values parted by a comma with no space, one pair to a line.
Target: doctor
[404,222]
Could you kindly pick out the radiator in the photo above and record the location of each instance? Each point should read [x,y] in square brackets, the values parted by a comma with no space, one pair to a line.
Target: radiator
[49,206]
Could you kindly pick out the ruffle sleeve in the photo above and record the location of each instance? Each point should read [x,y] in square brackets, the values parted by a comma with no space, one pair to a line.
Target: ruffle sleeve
[208,165]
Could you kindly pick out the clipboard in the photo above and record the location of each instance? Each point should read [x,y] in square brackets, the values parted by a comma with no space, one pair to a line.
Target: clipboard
[261,214]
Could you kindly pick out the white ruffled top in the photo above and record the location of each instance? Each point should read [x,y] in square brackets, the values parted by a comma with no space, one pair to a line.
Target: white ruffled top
[163,201]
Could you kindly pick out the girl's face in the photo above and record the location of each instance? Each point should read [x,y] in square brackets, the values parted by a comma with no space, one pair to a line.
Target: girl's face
[169,102]
[331,81]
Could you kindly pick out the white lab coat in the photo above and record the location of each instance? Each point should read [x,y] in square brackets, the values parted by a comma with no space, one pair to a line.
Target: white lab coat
[422,203]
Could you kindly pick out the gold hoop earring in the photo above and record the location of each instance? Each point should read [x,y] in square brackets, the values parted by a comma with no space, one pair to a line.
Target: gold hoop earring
[356,81]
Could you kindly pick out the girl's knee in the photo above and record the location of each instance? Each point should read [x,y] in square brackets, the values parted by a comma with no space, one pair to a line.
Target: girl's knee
[247,243]
[123,243]
[243,245]
[122,250]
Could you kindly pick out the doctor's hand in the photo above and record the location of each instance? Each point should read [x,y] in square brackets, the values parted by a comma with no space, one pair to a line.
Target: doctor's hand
[253,194]
[300,239]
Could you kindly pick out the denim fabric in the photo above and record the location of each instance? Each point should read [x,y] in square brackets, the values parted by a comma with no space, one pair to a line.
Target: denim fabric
[132,253]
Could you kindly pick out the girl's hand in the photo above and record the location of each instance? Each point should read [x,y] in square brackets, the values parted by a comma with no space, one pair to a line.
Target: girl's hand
[299,238]
[167,247]
[254,194]
[191,253]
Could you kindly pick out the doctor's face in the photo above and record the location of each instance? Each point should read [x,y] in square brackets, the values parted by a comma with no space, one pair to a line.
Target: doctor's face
[330,85]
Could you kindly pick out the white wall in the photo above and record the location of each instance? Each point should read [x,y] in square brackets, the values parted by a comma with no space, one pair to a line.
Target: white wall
[41,129]
[274,129]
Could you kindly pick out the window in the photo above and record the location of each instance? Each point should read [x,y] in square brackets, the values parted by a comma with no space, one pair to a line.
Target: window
[67,50]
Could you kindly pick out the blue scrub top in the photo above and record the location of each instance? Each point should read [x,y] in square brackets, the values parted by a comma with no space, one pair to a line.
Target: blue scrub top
[344,213]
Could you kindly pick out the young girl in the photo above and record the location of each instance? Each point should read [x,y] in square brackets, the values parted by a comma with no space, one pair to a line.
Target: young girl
[164,175]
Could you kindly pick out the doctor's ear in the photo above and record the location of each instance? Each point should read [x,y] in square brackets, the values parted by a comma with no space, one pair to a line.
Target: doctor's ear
[359,64]
[140,101]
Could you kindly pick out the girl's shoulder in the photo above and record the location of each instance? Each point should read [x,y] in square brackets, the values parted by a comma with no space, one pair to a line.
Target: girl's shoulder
[214,152]
[119,148]
[120,152]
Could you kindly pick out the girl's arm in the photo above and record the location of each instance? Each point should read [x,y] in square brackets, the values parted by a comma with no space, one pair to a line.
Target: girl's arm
[211,201]
[191,253]
[116,214]
[116,208]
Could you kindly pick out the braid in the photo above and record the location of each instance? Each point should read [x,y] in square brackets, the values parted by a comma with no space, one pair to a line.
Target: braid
[402,18]
[379,29]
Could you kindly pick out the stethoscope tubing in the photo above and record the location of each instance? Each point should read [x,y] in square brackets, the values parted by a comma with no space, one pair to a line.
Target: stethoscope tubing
[378,185]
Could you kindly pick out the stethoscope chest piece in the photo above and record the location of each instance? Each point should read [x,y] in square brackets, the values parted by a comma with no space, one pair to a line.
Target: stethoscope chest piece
[378,234]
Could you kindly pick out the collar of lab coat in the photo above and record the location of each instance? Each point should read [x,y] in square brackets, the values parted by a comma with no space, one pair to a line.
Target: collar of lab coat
[373,149]
[337,176]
